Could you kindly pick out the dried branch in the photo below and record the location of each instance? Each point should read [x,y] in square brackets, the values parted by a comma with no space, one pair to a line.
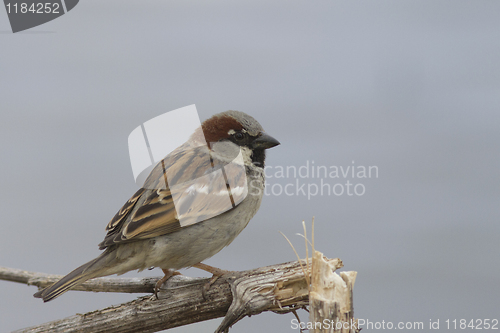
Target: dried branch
[331,308]
[180,303]
[279,288]
[115,285]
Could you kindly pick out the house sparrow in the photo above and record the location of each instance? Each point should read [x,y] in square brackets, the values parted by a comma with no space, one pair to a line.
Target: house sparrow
[184,213]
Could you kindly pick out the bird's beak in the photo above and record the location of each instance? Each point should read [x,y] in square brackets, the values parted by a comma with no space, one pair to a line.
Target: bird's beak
[264,141]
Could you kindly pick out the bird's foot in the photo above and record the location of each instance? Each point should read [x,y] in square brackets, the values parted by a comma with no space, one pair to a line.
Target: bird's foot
[216,273]
[168,274]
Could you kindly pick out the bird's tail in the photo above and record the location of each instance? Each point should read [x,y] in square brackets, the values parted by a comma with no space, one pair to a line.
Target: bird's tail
[92,269]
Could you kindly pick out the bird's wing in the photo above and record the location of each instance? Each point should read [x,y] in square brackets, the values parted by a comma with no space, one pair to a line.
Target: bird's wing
[195,187]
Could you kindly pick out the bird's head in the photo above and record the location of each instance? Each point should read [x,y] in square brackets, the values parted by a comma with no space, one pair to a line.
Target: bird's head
[238,128]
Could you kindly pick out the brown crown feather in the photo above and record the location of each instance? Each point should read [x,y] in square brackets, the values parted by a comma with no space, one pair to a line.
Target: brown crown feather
[217,127]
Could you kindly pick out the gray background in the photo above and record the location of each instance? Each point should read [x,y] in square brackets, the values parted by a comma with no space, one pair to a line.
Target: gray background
[412,87]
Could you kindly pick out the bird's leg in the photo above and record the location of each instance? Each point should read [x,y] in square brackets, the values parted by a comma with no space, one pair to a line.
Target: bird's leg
[168,273]
[216,273]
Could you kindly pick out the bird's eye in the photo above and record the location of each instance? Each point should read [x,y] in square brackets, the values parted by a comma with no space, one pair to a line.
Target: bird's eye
[238,136]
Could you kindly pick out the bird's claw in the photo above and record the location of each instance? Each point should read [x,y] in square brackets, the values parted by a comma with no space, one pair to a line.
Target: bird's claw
[207,285]
[168,274]
[216,273]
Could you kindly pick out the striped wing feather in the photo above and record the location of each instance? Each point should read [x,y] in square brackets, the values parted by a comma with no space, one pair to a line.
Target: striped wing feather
[151,212]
